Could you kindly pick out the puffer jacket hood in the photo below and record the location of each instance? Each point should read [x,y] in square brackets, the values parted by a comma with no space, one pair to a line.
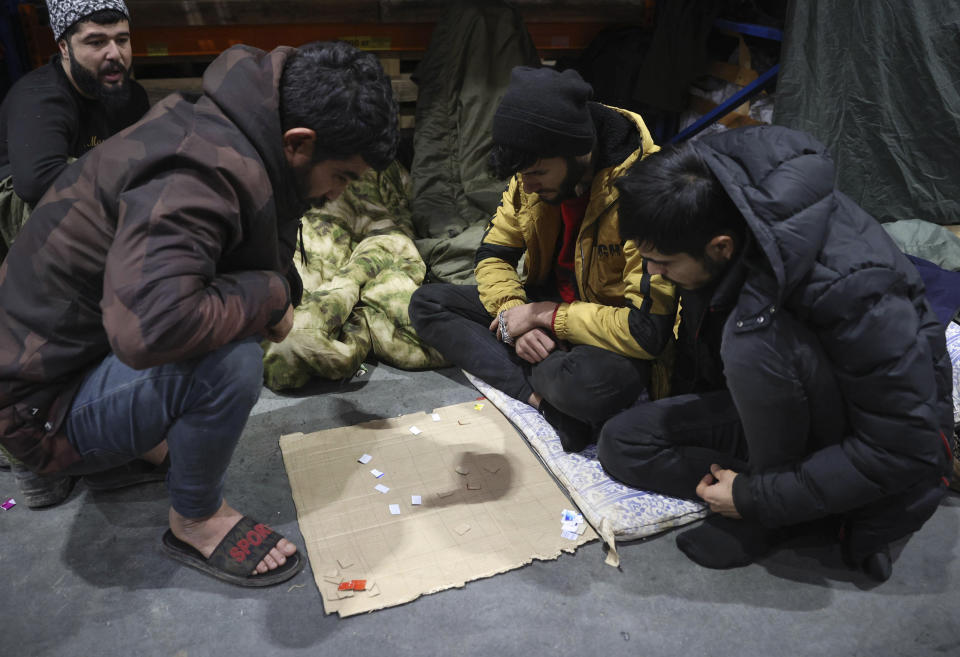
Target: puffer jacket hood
[784,192]
[244,83]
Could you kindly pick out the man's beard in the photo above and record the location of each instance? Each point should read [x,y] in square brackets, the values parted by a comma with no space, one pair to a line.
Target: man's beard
[113,96]
[568,188]
[301,174]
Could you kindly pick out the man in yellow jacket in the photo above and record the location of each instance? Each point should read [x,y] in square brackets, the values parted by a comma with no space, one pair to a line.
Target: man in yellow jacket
[576,335]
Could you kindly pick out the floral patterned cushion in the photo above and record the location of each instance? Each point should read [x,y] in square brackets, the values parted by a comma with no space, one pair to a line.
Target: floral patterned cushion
[953,347]
[616,511]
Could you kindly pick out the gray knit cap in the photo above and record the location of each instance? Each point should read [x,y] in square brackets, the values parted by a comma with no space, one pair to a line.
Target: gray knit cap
[64,13]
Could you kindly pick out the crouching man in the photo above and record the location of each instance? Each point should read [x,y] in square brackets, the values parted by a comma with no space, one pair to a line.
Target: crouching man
[812,379]
[133,301]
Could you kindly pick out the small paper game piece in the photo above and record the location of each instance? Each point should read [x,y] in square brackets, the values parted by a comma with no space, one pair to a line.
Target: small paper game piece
[415,431]
[569,526]
[492,469]
[373,591]
[474,485]
[376,473]
[435,417]
[570,536]
[345,562]
[9,504]
[462,529]
[462,470]
[382,488]
[444,493]
[478,407]
[395,509]
[415,499]
[568,515]
[332,576]
[581,528]
[366,458]
[345,586]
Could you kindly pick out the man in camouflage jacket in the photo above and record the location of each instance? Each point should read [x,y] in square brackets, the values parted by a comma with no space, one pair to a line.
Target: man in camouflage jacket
[133,302]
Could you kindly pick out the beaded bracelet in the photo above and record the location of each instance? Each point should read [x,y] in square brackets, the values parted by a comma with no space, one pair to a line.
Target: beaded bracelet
[504,334]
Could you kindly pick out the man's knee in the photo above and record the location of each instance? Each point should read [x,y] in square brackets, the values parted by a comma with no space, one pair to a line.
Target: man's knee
[590,383]
[424,303]
[624,445]
[238,369]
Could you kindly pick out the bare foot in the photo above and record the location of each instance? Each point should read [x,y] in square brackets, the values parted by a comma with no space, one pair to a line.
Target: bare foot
[206,533]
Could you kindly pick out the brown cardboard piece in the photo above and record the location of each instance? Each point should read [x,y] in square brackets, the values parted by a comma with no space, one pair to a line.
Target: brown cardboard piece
[457,534]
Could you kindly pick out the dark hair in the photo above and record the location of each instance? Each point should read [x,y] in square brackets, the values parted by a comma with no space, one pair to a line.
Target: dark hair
[343,95]
[504,161]
[674,203]
[101,17]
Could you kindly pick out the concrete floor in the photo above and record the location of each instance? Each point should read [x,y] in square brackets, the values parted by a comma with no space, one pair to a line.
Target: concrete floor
[88,578]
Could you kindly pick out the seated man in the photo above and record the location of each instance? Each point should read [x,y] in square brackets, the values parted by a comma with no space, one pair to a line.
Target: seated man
[51,116]
[577,336]
[133,301]
[63,109]
[812,380]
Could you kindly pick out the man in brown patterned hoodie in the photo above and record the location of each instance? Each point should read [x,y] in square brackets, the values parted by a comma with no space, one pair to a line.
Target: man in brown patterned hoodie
[133,302]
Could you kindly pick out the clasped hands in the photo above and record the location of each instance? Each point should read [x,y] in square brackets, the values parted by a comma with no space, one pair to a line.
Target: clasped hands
[529,326]
[716,489]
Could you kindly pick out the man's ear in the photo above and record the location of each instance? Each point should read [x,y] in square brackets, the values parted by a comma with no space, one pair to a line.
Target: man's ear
[64,49]
[298,145]
[721,248]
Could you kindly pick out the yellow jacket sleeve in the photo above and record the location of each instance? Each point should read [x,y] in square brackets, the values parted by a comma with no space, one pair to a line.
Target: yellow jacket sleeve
[641,329]
[498,280]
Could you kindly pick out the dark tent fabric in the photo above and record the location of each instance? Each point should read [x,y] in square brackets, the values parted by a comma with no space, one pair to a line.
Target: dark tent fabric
[461,79]
[879,83]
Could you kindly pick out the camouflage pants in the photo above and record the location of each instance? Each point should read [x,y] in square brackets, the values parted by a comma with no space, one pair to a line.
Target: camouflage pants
[361,269]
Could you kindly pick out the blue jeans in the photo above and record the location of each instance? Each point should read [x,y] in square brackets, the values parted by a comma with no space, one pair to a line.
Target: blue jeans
[198,406]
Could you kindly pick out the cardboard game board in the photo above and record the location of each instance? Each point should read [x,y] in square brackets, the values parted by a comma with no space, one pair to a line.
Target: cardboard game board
[486,505]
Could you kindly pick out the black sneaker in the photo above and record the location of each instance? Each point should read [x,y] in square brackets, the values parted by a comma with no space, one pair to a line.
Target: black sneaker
[720,542]
[574,434]
[37,491]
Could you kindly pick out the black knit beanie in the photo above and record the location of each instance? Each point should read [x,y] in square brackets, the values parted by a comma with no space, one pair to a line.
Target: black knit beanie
[545,113]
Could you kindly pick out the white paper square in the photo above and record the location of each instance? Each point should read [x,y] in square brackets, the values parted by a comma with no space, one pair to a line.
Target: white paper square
[381,488]
[436,417]
[395,509]
[376,473]
[366,458]
[415,431]
[415,499]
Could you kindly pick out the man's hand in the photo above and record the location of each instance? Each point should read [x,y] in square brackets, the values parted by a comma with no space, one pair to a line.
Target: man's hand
[279,331]
[525,318]
[716,489]
[533,346]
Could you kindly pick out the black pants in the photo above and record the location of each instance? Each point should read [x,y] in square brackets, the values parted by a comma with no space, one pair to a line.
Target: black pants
[585,382]
[782,404]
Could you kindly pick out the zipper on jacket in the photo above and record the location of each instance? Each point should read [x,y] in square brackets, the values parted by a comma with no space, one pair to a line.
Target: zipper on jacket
[596,236]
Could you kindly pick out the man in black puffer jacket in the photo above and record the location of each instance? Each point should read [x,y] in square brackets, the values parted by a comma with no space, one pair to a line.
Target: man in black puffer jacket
[812,379]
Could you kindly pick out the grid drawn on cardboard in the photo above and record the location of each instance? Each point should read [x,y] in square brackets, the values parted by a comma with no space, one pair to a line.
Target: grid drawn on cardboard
[513,517]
